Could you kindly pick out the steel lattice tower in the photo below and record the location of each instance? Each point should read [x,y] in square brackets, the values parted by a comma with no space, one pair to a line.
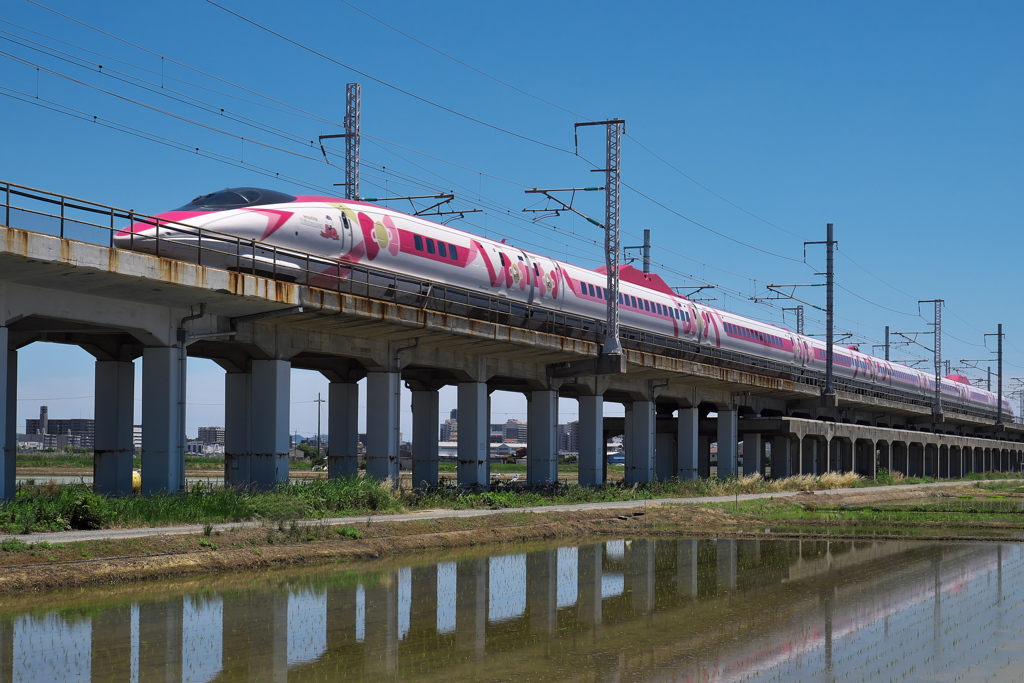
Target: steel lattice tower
[353,101]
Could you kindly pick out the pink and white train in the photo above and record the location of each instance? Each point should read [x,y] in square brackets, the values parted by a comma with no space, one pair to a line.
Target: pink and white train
[341,232]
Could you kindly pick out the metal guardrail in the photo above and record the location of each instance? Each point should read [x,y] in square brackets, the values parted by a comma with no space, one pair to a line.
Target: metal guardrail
[67,217]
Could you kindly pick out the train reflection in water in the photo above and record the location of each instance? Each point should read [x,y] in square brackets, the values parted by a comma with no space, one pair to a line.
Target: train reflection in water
[676,609]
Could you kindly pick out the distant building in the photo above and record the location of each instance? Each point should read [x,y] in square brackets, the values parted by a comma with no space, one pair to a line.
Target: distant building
[516,431]
[79,433]
[449,429]
[567,437]
[211,435]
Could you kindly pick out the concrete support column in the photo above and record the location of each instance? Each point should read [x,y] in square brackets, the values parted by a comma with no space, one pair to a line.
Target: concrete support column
[271,405]
[728,445]
[542,591]
[956,462]
[687,444]
[703,456]
[163,433]
[343,429]
[752,454]
[383,395]
[589,577]
[915,455]
[160,639]
[541,437]
[834,455]
[471,600]
[640,445]
[591,456]
[474,434]
[237,429]
[425,405]
[639,572]
[8,416]
[381,632]
[781,465]
[665,466]
[113,445]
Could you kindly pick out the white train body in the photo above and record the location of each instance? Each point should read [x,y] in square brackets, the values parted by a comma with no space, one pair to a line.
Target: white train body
[341,232]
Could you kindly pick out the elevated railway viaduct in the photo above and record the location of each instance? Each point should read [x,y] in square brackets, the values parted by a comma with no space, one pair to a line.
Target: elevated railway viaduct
[61,281]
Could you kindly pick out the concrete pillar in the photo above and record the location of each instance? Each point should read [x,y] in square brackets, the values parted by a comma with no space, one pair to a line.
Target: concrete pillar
[113,445]
[956,462]
[728,446]
[237,429]
[833,455]
[381,633]
[271,405]
[383,395]
[640,448]
[474,434]
[687,444]
[589,578]
[163,434]
[111,645]
[914,457]
[665,453]
[752,454]
[541,437]
[781,464]
[726,564]
[425,435]
[8,416]
[160,639]
[343,429]
[591,456]
[542,591]
[686,567]
[703,456]
[639,576]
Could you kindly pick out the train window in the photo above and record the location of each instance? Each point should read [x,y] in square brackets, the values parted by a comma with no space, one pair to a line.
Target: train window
[418,241]
[536,270]
[236,198]
[430,246]
[647,305]
[501,257]
[633,299]
[453,251]
[442,249]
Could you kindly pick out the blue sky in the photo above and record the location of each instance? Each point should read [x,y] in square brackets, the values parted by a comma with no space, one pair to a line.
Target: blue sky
[749,127]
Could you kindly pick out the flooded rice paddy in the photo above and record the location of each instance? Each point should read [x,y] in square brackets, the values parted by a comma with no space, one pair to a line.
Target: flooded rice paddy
[621,610]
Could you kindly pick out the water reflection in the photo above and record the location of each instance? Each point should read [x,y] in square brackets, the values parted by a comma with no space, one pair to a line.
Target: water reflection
[678,609]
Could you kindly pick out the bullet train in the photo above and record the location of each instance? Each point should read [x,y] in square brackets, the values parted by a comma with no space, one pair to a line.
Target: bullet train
[337,233]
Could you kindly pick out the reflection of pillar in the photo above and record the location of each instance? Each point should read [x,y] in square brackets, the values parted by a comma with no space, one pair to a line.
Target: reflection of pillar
[828,600]
[541,436]
[640,448]
[381,639]
[542,590]
[271,389]
[589,583]
[686,567]
[471,601]
[781,466]
[474,434]
[686,443]
[382,431]
[726,564]
[113,445]
[425,451]
[341,618]
[111,646]
[423,600]
[727,443]
[343,429]
[255,637]
[160,635]
[591,457]
[639,577]
[163,451]
[8,416]
[751,453]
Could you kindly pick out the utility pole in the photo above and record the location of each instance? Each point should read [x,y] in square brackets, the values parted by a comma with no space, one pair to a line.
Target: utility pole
[352,135]
[937,408]
[645,250]
[830,245]
[319,400]
[999,375]
[799,318]
[887,342]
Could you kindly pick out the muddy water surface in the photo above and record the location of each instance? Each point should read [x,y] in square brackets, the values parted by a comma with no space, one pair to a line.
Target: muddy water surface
[622,610]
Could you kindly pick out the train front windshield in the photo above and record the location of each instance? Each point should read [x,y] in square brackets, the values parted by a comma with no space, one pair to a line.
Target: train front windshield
[236,198]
